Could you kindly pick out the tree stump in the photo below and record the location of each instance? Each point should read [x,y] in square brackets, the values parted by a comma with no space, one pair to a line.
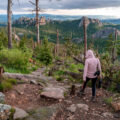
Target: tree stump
[73,89]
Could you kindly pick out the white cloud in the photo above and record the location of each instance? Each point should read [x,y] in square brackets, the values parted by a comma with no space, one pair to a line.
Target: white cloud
[111,11]
[3,11]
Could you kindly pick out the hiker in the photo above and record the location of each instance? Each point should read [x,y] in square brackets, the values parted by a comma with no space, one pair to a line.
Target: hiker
[92,70]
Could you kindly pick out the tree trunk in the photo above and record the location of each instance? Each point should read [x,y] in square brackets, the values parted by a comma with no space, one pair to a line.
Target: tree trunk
[114,48]
[9,24]
[37,21]
[57,41]
[85,38]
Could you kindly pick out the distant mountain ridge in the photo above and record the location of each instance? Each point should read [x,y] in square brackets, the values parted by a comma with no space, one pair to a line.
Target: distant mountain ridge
[109,19]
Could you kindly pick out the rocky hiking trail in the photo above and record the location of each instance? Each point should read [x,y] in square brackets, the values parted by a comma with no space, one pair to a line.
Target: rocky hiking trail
[39,97]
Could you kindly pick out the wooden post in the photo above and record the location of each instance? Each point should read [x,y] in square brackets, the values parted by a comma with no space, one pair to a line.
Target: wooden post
[37,21]
[9,13]
[85,37]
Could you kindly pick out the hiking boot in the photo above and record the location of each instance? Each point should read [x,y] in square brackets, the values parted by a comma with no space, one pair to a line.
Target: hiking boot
[93,99]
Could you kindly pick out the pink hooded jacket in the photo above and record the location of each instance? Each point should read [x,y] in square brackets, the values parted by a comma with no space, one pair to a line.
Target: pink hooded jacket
[92,64]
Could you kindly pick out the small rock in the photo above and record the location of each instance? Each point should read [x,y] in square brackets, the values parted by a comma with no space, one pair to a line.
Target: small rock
[68,101]
[83,107]
[20,114]
[72,108]
[33,82]
[78,86]
[41,84]
[117,115]
[107,114]
[2,97]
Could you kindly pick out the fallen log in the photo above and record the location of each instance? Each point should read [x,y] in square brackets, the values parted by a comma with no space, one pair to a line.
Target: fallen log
[78,60]
[26,78]
[74,75]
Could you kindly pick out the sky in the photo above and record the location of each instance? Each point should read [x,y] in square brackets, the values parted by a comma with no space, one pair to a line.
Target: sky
[66,7]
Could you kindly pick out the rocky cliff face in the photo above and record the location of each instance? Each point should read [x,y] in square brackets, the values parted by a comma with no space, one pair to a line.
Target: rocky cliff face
[104,33]
[89,21]
[29,21]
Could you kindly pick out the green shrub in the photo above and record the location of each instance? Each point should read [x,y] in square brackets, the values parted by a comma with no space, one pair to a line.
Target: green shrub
[7,84]
[43,53]
[108,101]
[12,81]
[60,72]
[15,59]
[59,79]
[75,67]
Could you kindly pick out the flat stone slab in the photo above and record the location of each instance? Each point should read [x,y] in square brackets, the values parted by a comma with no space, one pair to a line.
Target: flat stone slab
[74,107]
[52,92]
[44,113]
[20,114]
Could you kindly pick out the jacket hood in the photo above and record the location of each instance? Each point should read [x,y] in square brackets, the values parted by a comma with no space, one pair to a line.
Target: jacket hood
[90,54]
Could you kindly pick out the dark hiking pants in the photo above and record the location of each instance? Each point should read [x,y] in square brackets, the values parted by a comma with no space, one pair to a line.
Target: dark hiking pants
[93,85]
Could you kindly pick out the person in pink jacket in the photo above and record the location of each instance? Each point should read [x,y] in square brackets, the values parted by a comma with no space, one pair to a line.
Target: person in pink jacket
[92,65]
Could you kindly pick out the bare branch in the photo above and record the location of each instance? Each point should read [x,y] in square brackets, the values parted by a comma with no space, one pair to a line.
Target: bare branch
[32,3]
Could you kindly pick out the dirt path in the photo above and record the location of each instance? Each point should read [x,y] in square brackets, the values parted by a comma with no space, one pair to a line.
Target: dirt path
[27,96]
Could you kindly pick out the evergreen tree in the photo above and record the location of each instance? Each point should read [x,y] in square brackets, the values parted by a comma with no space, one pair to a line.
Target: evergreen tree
[43,53]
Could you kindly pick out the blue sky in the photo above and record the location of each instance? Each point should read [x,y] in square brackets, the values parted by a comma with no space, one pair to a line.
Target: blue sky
[66,7]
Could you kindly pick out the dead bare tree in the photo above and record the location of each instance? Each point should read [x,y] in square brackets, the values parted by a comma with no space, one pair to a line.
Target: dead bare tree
[85,37]
[9,13]
[37,22]
[37,10]
[58,41]
[114,47]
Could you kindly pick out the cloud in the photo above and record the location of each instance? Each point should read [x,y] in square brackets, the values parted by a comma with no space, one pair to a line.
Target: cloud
[23,5]
[89,4]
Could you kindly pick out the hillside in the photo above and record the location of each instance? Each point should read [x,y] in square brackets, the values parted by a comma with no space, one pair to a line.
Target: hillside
[68,29]
[97,31]
[65,27]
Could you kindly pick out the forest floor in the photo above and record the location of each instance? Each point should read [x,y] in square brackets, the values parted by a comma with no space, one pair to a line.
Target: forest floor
[27,97]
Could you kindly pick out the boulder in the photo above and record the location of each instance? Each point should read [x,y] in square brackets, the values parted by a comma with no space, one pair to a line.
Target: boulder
[5,112]
[20,114]
[83,107]
[72,108]
[53,93]
[116,106]
[2,97]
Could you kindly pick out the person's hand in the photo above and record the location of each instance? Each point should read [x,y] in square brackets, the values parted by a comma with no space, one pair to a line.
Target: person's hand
[84,80]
